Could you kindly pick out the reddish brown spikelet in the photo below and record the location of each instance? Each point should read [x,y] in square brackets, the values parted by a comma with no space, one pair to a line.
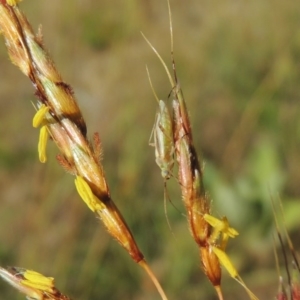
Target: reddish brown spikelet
[110,216]
[191,179]
[211,265]
[193,193]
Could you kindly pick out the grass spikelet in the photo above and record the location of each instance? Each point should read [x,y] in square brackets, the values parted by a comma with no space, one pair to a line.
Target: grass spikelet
[33,284]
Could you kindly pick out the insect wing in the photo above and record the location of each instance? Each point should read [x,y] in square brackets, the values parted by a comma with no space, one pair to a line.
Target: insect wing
[163,140]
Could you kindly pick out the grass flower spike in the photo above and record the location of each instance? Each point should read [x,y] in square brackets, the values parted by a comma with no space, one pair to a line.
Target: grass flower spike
[60,118]
[204,228]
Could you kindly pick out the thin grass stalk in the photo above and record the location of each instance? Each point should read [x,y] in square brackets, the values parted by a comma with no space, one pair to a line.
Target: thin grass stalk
[293,283]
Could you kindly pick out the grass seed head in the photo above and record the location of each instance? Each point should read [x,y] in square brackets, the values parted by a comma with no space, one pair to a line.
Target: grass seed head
[59,116]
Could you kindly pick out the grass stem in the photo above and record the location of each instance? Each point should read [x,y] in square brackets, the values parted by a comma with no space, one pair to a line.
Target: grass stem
[160,290]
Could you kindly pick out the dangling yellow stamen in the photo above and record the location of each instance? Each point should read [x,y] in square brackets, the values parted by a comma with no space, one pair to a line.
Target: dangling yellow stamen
[220,226]
[43,139]
[225,261]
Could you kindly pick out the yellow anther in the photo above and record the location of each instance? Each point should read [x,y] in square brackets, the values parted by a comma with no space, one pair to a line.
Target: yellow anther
[13,2]
[43,139]
[39,117]
[225,261]
[38,281]
[227,264]
[214,222]
[87,195]
[220,227]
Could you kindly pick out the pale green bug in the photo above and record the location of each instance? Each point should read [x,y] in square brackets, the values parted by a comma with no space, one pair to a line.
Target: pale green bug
[162,138]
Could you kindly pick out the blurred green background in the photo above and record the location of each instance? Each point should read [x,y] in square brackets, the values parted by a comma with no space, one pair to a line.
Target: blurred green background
[238,63]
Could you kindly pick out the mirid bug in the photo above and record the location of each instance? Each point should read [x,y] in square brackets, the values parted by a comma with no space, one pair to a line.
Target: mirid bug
[162,139]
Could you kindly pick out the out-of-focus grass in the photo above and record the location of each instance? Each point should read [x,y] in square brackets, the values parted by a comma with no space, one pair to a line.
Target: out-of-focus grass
[238,64]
